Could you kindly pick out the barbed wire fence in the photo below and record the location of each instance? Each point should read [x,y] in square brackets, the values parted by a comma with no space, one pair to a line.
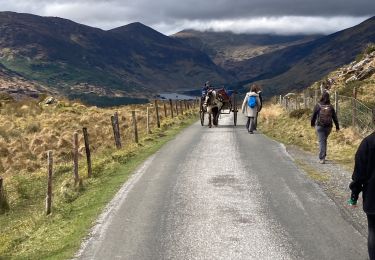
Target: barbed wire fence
[351,112]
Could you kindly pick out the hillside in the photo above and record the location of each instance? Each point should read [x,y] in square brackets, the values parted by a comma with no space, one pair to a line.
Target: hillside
[359,74]
[227,48]
[133,60]
[299,66]
[14,86]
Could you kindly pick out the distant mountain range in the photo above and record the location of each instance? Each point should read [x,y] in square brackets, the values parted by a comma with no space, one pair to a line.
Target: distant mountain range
[133,60]
[137,61]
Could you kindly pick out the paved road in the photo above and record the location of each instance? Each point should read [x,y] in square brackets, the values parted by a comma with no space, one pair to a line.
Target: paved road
[221,193]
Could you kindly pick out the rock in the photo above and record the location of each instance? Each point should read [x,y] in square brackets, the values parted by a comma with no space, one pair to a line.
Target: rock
[352,78]
[361,63]
[49,100]
[366,73]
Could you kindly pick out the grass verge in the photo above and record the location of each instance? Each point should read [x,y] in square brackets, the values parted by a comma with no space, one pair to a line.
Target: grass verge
[27,233]
[290,129]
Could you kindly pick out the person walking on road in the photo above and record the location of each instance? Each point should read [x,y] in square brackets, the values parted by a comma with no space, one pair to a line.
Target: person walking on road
[363,180]
[259,92]
[250,108]
[323,115]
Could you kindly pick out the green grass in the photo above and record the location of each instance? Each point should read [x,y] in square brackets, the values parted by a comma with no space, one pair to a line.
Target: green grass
[27,233]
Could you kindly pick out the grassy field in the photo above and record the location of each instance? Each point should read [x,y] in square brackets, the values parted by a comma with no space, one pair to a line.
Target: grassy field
[295,129]
[27,132]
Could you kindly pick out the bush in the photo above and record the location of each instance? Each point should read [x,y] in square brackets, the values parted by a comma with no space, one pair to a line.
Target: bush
[300,113]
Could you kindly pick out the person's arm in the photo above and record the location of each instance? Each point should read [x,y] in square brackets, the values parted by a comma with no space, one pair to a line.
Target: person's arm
[359,176]
[244,103]
[315,115]
[260,101]
[335,120]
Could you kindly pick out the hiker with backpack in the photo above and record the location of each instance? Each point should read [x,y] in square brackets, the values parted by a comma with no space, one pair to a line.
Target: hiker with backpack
[363,180]
[251,105]
[323,115]
[258,90]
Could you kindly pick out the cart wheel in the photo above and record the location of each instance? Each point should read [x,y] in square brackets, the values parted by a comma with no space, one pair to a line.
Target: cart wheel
[201,114]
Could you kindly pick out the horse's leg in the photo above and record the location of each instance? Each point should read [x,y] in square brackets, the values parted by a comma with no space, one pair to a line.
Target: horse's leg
[209,120]
[215,115]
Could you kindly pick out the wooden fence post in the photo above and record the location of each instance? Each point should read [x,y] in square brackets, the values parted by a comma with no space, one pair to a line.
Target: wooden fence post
[116,130]
[286,103]
[316,93]
[336,103]
[171,106]
[4,206]
[135,127]
[88,153]
[176,107]
[75,157]
[148,121]
[181,108]
[165,109]
[157,113]
[298,104]
[354,114]
[305,99]
[49,183]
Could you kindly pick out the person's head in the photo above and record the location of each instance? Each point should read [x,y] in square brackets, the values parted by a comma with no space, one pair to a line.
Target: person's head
[325,99]
[254,88]
[207,84]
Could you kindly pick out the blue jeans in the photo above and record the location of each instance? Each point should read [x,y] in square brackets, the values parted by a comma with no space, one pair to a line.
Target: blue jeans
[323,133]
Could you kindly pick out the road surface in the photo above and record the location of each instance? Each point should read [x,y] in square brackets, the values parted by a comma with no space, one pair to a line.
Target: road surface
[222,193]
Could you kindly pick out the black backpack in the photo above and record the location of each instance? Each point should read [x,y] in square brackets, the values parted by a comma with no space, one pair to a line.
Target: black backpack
[325,115]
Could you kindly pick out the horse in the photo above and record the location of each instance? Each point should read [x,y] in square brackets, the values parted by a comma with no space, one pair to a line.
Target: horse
[212,105]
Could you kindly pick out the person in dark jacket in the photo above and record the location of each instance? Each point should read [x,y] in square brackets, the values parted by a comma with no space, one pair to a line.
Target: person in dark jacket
[258,90]
[363,180]
[321,119]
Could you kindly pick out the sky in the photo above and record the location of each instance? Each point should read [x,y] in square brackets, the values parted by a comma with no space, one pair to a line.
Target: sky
[240,16]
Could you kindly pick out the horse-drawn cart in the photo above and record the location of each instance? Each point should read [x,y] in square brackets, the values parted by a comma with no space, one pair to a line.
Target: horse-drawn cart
[224,100]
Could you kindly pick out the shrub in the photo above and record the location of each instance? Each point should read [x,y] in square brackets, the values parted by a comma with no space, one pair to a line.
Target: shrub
[300,113]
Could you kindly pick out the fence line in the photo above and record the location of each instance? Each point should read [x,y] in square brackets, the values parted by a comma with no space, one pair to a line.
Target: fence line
[350,111]
[154,120]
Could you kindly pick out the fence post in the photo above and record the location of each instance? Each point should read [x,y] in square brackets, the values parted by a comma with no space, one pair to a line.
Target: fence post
[157,113]
[148,121]
[354,114]
[171,106]
[281,100]
[316,93]
[49,183]
[305,99]
[286,103]
[135,127]
[116,130]
[181,108]
[336,103]
[88,153]
[176,107]
[4,206]
[75,157]
[165,109]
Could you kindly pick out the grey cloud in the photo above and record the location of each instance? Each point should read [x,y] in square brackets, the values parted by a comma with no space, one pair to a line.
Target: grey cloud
[171,15]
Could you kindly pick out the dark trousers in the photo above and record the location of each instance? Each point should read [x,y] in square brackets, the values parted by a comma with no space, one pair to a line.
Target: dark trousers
[250,125]
[371,236]
[323,133]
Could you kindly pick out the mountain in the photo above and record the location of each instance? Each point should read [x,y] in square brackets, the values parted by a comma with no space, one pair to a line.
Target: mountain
[298,66]
[227,48]
[132,60]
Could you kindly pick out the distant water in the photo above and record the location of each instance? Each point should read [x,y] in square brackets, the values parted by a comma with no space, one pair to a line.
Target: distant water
[175,96]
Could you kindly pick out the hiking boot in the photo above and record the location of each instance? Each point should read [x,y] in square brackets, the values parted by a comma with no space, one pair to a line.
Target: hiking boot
[251,132]
[322,161]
